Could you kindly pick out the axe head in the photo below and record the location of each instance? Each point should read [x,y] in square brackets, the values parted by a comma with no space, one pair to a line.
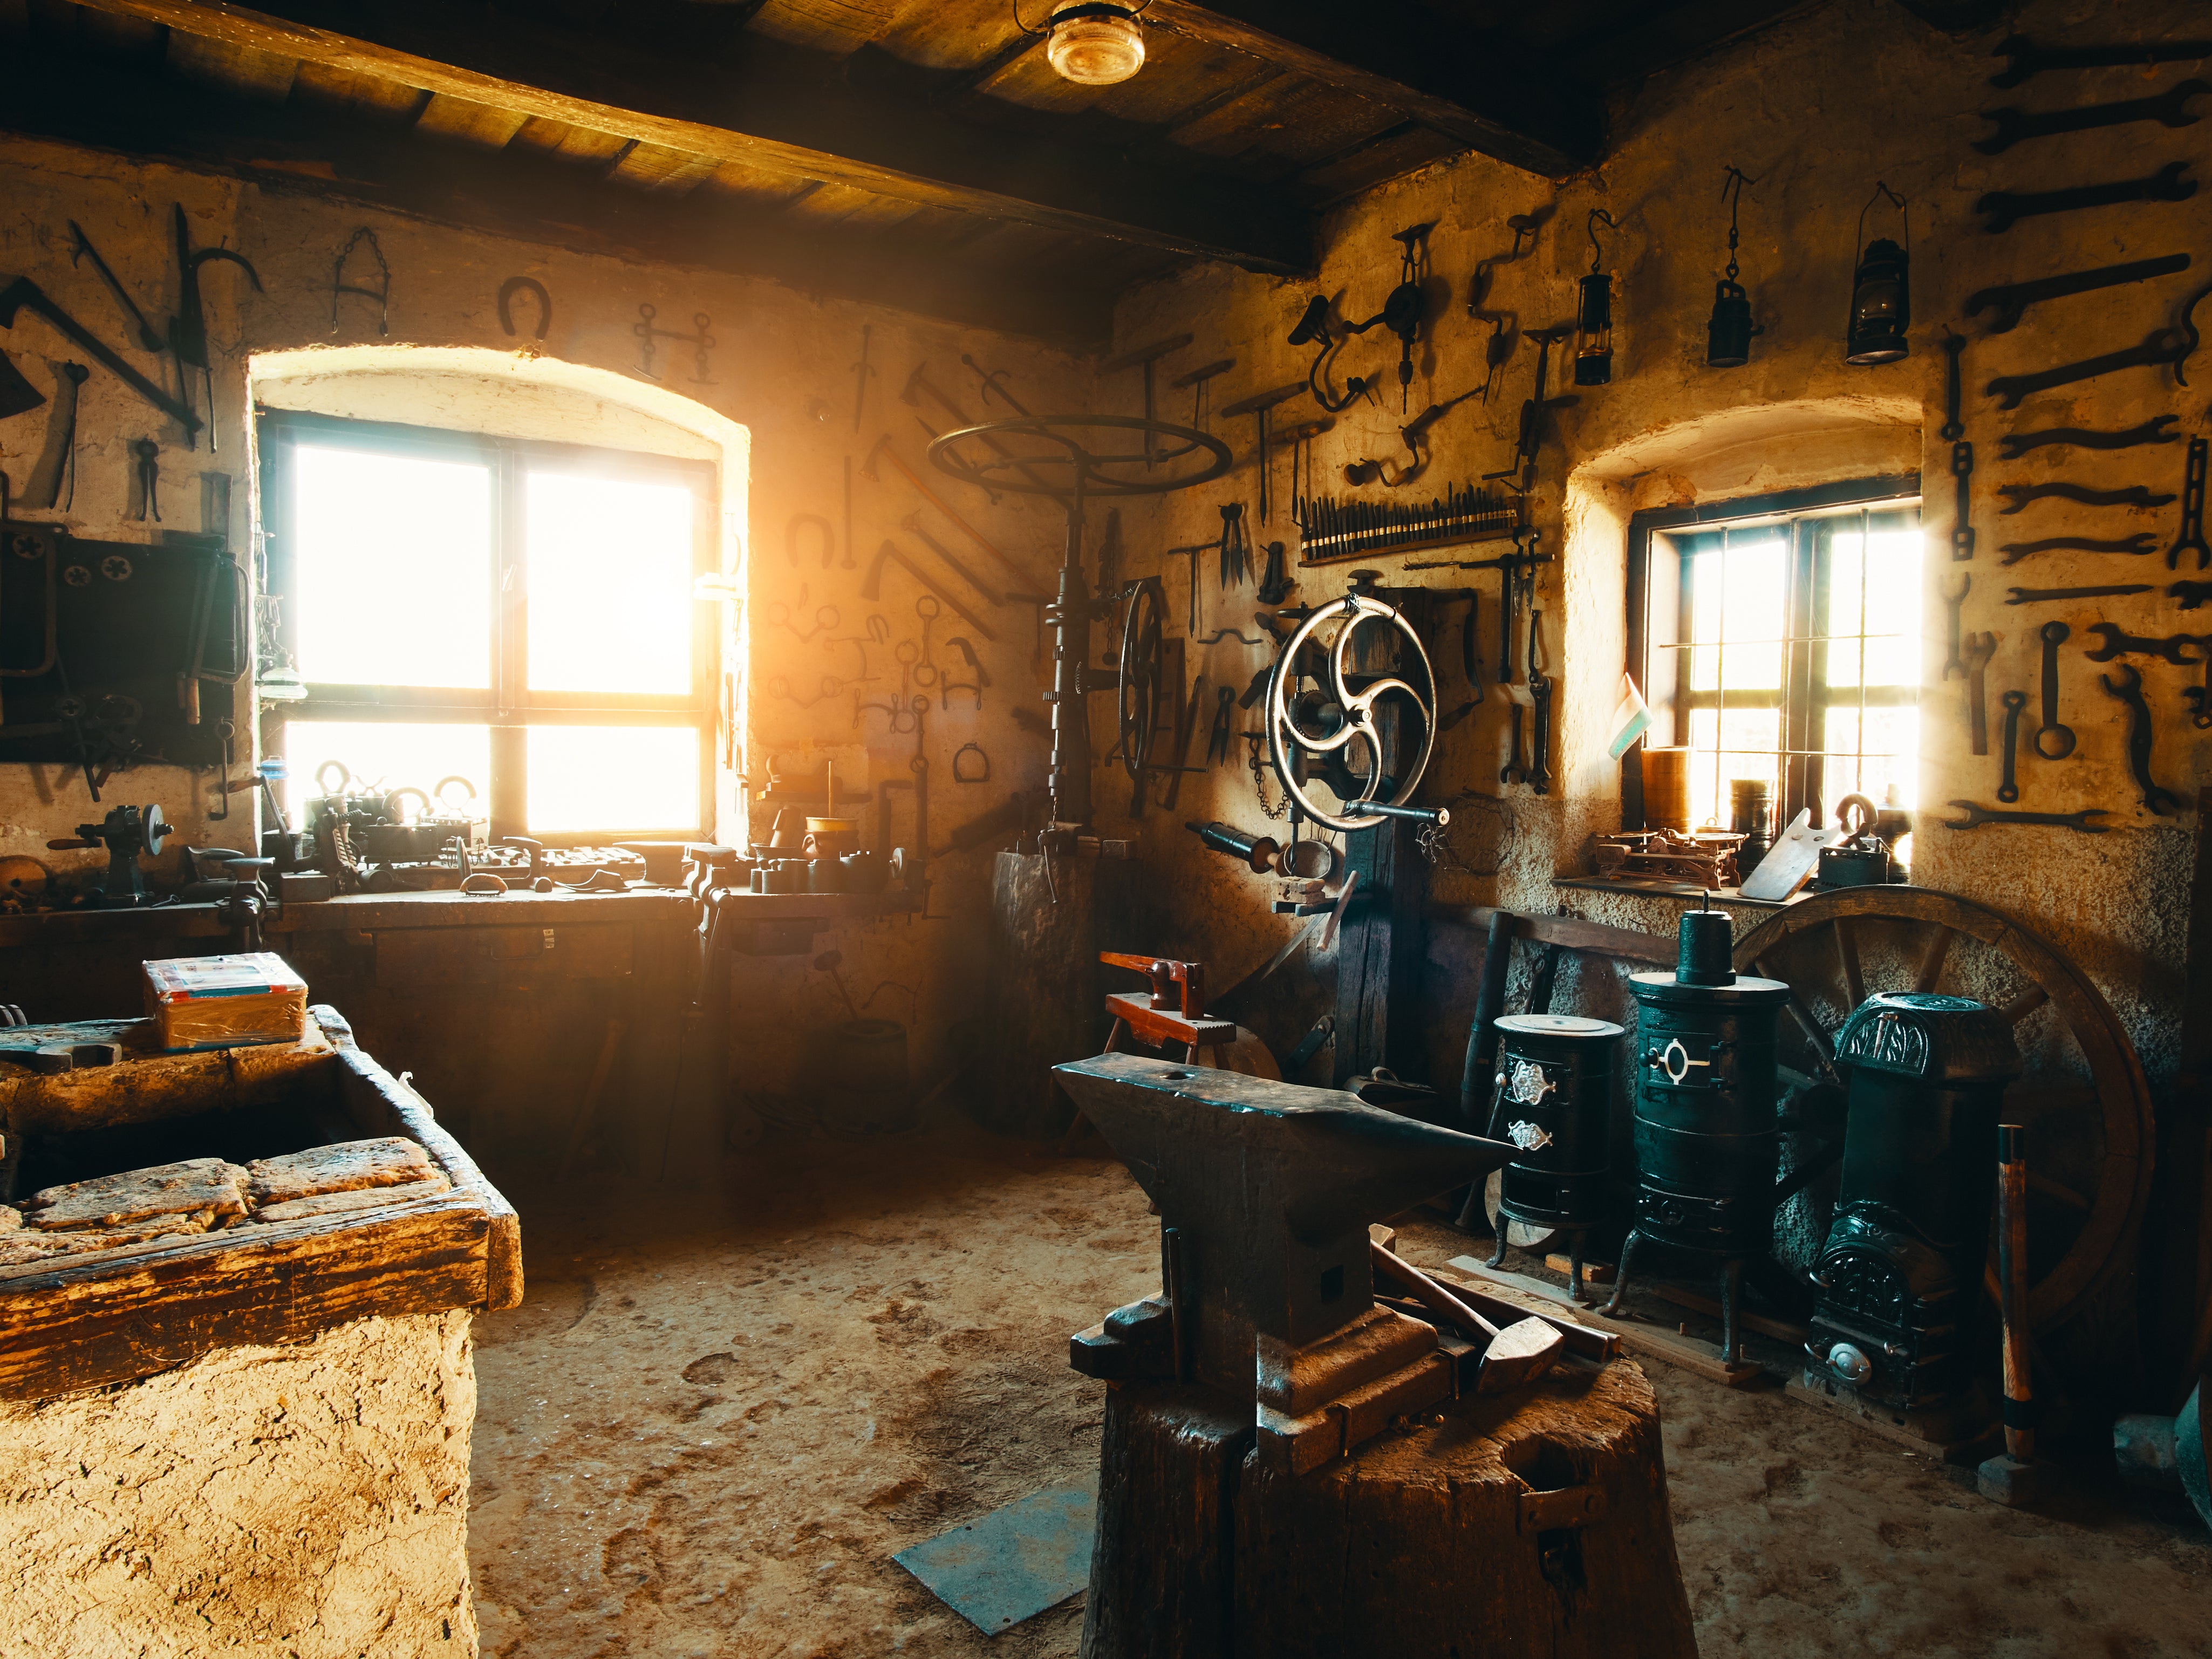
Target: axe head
[868,468]
[910,393]
[17,395]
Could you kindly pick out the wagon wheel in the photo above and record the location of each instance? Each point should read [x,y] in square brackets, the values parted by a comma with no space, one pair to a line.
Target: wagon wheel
[1139,682]
[2083,1096]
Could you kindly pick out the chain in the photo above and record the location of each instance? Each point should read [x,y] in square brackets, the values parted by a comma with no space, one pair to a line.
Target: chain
[1732,185]
[1280,809]
[1430,838]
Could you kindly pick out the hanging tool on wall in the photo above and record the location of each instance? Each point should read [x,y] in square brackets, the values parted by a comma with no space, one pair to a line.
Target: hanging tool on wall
[1257,406]
[920,385]
[80,247]
[1977,816]
[340,289]
[2155,430]
[188,339]
[1414,434]
[2048,595]
[17,395]
[2191,538]
[23,293]
[2114,641]
[913,525]
[1532,411]
[2014,703]
[2160,348]
[2169,108]
[2164,802]
[2060,742]
[1953,605]
[700,339]
[1147,358]
[861,371]
[1313,326]
[886,451]
[57,457]
[2020,497]
[146,457]
[2007,207]
[2141,542]
[1275,582]
[1954,432]
[1197,381]
[1981,648]
[514,285]
[1401,312]
[1236,548]
[799,522]
[2011,299]
[2026,59]
[871,587]
[1540,694]
[1300,439]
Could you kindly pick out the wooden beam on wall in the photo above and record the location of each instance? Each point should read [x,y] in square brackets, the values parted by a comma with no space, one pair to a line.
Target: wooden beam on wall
[1484,91]
[778,108]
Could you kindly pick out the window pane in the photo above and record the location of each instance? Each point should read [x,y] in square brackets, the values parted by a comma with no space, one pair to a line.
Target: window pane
[613,777]
[611,562]
[386,754]
[393,558]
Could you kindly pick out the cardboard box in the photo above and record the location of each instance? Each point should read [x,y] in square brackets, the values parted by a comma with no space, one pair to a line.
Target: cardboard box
[220,1002]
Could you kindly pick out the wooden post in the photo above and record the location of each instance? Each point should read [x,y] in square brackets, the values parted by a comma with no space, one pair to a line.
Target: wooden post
[2177,1230]
[2015,1478]
[1378,956]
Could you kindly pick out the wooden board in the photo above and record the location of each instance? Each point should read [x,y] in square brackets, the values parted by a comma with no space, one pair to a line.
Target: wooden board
[1636,1335]
[383,1161]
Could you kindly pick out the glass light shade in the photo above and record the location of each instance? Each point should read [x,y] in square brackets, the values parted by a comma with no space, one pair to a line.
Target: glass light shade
[1594,322]
[1881,305]
[1728,336]
[1095,45]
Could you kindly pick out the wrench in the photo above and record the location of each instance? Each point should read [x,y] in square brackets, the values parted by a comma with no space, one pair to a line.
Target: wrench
[1954,664]
[2020,496]
[2012,300]
[2153,431]
[2130,691]
[1977,816]
[2029,60]
[1513,771]
[2109,591]
[2199,697]
[2141,542]
[2191,539]
[2169,109]
[2117,642]
[1540,767]
[2006,209]
[2191,594]
[2013,702]
[2160,346]
[1980,647]
[2054,635]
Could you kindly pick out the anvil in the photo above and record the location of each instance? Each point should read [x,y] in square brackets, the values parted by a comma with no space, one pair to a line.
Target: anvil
[1264,1191]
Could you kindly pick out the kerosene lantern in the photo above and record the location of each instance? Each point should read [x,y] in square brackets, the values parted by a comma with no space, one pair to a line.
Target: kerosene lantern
[1708,1135]
[1551,1100]
[1881,290]
[1593,314]
[1899,1276]
[1729,334]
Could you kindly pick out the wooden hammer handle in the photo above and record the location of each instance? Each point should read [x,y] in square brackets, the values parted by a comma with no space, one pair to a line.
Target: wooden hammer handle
[1425,1291]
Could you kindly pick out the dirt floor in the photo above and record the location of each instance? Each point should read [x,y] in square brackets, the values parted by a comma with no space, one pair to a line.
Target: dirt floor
[714,1420]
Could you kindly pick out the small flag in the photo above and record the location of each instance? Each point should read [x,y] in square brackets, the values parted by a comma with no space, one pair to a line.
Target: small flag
[1631,719]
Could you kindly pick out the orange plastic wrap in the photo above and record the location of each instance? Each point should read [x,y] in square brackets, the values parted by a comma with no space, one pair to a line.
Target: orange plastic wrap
[222,1002]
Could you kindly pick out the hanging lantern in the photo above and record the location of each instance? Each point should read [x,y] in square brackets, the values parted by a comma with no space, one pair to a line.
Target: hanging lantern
[1881,292]
[1095,44]
[1593,315]
[1728,336]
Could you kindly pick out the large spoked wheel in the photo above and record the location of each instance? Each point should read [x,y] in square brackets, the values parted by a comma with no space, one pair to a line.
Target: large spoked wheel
[1351,729]
[1138,688]
[2083,1098]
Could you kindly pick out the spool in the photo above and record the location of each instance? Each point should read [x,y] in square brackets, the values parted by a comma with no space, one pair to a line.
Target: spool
[1667,789]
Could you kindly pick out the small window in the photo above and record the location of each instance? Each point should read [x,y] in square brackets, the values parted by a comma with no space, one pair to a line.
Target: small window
[518,614]
[1780,639]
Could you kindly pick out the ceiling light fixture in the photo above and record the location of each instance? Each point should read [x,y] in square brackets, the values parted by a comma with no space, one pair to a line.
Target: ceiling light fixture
[1093,43]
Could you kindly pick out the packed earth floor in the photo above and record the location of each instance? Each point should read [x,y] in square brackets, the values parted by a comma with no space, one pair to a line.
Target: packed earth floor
[716,1417]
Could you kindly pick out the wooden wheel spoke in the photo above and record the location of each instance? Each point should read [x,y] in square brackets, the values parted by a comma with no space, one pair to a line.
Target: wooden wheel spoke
[2064,1195]
[2024,1005]
[1847,958]
[1932,959]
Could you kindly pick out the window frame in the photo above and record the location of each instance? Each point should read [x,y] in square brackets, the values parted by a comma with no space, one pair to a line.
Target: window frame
[1808,512]
[508,707]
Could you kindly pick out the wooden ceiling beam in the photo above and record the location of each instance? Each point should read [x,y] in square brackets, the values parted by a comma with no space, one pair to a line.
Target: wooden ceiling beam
[1474,86]
[774,107]
[1669,34]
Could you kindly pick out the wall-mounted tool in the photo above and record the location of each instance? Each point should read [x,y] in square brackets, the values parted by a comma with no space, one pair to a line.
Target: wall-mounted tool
[2153,431]
[1953,603]
[871,587]
[2191,538]
[700,339]
[884,451]
[24,293]
[1401,311]
[1147,358]
[57,457]
[2026,59]
[2011,299]
[1312,327]
[80,247]
[2019,497]
[341,288]
[2160,347]
[1259,852]
[514,285]
[1728,333]
[965,770]
[1235,547]
[1977,816]
[1414,434]
[980,676]
[2141,542]
[1954,432]
[2163,802]
[1224,721]
[2052,741]
[920,385]
[1275,581]
[2007,207]
[1516,770]
[2114,641]
[1199,383]
[1332,530]
[17,395]
[1539,733]
[146,477]
[2191,594]
[913,525]
[1881,288]
[1594,312]
[798,523]
[188,341]
[1981,648]
[2048,595]
[1259,406]
[2009,787]
[861,371]
[2169,108]
[1534,408]
[1300,439]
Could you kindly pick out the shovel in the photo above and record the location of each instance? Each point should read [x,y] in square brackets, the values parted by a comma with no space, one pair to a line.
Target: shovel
[1517,1355]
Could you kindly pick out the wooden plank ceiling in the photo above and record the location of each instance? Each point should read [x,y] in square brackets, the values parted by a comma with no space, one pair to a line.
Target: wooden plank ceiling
[921,153]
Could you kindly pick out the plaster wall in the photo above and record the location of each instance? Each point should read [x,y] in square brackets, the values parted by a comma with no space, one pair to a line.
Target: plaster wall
[775,406]
[1816,109]
[310,1500]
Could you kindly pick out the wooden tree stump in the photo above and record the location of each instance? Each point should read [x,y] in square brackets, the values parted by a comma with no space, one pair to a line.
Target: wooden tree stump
[1535,1525]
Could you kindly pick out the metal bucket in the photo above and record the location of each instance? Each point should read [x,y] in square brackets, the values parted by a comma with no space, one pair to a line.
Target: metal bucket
[859,1076]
